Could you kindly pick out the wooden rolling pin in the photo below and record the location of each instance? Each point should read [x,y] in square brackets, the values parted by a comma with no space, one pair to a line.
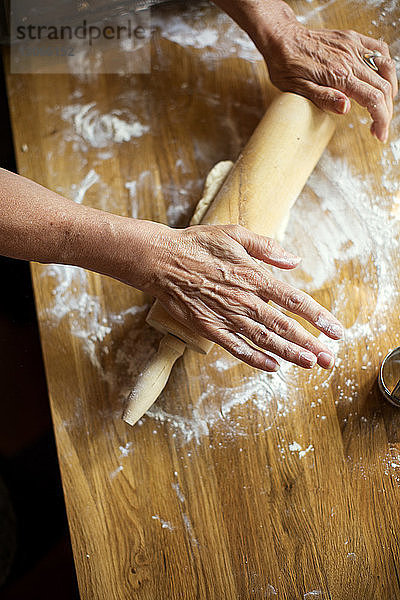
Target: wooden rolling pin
[258,193]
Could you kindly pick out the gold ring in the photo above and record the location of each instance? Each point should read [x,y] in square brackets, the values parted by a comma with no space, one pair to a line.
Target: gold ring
[368,58]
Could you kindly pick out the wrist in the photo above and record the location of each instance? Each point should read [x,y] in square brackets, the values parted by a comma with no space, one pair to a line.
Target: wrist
[123,248]
[275,26]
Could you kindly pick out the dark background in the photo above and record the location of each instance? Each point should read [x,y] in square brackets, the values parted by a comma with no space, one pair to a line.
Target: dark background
[35,548]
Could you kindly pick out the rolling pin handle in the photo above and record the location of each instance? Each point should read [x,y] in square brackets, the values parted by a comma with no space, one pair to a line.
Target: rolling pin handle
[153,379]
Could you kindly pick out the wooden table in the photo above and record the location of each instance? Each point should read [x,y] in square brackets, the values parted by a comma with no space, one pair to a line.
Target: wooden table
[238,484]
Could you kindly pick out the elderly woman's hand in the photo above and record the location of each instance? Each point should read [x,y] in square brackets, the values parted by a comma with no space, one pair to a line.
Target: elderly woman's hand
[215,279]
[327,67]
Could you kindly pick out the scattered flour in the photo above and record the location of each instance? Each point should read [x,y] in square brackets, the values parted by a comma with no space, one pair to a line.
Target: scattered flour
[216,405]
[126,450]
[338,228]
[114,473]
[86,317]
[314,12]
[178,491]
[79,192]
[164,524]
[295,447]
[222,38]
[224,363]
[395,147]
[83,310]
[310,15]
[96,130]
[189,529]
[302,453]
[131,186]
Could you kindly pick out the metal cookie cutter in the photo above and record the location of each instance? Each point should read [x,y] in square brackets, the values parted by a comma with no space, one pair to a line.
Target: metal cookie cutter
[389,377]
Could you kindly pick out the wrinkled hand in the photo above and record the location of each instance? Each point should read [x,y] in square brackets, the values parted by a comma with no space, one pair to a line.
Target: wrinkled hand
[214,278]
[327,67]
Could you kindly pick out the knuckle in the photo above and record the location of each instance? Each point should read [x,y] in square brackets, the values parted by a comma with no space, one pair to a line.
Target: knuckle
[296,302]
[327,98]
[250,278]
[221,336]
[270,245]
[259,335]
[376,97]
[342,73]
[251,308]
[288,353]
[231,346]
[281,326]
[234,303]
[267,286]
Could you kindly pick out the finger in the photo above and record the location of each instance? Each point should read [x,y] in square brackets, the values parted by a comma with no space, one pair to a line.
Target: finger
[373,78]
[241,349]
[264,248]
[373,100]
[386,65]
[373,44]
[326,98]
[289,329]
[301,304]
[268,340]
[387,70]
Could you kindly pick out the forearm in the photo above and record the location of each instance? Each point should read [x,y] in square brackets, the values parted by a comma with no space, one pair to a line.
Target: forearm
[264,20]
[40,225]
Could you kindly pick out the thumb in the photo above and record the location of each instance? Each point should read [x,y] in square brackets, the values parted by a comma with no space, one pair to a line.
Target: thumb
[264,248]
[326,98]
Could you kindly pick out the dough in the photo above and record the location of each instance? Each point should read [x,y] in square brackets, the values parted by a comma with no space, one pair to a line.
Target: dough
[213,184]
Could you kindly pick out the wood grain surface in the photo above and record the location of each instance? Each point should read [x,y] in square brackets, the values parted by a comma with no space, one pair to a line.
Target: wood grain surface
[238,484]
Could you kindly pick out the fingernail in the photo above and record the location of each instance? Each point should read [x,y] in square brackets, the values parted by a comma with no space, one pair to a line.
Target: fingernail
[307,359]
[325,360]
[272,365]
[292,259]
[343,105]
[336,330]
[382,137]
[332,329]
